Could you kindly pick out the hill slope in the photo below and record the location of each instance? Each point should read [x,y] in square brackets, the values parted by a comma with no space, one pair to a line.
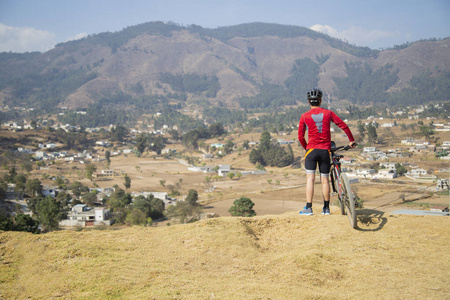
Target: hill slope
[243,58]
[276,257]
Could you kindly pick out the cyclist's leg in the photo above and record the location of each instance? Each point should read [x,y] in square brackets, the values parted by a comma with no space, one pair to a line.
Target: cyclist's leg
[310,168]
[310,179]
[326,188]
[324,168]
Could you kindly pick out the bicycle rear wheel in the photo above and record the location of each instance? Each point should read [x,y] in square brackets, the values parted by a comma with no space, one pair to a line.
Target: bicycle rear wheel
[349,201]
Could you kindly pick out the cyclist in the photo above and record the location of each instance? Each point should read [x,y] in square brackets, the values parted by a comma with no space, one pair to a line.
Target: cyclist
[317,121]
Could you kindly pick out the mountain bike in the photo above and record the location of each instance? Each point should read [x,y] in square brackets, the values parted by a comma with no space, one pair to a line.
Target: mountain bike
[341,185]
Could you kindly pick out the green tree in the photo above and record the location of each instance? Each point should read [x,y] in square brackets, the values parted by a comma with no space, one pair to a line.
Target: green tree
[127,182]
[136,217]
[401,170]
[3,189]
[6,223]
[228,148]
[143,204]
[426,131]
[265,141]
[48,213]
[184,212]
[64,198]
[11,174]
[108,157]
[255,157]
[271,154]
[78,189]
[141,143]
[156,143]
[27,166]
[90,169]
[60,183]
[242,207]
[158,208]
[20,180]
[361,130]
[119,198]
[174,134]
[34,187]
[192,197]
[24,222]
[216,130]
[231,175]
[33,124]
[118,133]
[89,198]
[372,133]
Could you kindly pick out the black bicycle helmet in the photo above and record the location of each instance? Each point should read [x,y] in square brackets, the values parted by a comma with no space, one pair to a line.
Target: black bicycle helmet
[315,94]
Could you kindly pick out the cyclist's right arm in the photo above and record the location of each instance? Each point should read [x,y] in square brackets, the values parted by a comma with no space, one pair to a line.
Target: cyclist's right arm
[301,132]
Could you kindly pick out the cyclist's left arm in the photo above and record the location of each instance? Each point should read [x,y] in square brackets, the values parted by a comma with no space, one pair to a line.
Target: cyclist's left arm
[341,124]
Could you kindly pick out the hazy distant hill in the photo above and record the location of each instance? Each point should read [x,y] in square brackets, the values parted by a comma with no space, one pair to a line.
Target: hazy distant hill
[253,65]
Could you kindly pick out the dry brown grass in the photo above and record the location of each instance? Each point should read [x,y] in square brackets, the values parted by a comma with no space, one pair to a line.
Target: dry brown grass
[271,256]
[265,257]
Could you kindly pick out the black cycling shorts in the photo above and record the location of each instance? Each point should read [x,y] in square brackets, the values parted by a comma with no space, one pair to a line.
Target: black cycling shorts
[319,157]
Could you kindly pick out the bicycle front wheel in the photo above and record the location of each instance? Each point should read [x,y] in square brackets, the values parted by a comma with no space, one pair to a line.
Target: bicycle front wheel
[349,201]
[338,190]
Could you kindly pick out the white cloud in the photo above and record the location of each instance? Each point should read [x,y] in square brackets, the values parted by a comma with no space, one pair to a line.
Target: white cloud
[356,35]
[25,39]
[325,29]
[78,36]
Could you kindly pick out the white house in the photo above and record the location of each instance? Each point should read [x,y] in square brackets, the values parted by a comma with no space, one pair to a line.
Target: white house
[168,151]
[102,143]
[388,174]
[205,169]
[217,145]
[49,191]
[365,172]
[369,149]
[82,215]
[224,170]
[347,160]
[388,165]
[40,154]
[417,172]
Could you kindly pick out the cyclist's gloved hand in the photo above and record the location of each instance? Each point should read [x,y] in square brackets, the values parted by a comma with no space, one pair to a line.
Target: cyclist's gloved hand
[352,144]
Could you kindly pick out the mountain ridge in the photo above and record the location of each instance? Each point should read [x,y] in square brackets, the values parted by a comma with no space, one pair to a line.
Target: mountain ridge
[243,57]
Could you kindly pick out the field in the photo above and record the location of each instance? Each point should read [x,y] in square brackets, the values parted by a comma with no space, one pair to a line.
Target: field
[280,190]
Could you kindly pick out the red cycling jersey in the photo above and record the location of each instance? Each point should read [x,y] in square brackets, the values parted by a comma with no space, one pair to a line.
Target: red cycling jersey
[317,121]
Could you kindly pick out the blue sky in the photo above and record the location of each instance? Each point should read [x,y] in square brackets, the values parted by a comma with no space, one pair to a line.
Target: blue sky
[37,25]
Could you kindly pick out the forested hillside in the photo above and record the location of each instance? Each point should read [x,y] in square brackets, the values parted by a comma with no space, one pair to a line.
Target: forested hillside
[159,66]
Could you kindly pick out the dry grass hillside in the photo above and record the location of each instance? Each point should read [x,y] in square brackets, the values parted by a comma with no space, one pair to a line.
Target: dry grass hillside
[266,257]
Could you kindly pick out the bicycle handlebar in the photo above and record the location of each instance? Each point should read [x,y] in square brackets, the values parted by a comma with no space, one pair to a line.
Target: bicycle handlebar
[346,147]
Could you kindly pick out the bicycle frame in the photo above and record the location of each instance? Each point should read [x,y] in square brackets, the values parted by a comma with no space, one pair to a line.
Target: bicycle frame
[335,172]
